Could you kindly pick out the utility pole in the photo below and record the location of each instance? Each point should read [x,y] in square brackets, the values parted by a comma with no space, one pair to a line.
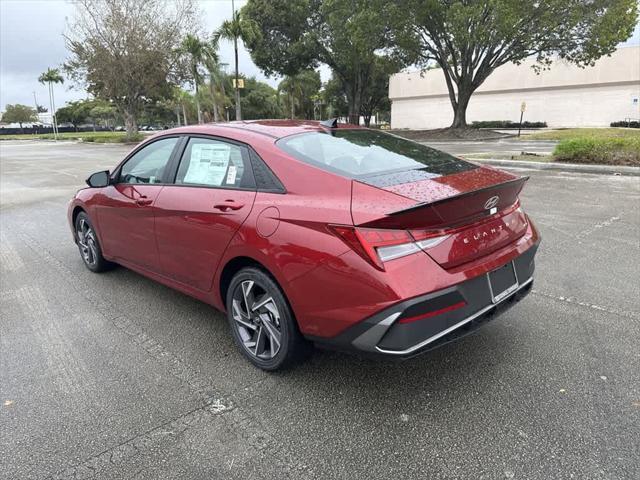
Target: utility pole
[235,47]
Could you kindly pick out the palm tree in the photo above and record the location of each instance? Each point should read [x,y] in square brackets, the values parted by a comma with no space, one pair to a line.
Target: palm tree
[232,30]
[51,76]
[216,77]
[292,88]
[183,98]
[299,90]
[197,51]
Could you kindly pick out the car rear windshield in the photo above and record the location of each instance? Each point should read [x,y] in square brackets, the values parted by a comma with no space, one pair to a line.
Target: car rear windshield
[355,153]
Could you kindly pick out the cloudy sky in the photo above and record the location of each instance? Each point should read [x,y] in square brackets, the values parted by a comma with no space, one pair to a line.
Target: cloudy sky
[31,41]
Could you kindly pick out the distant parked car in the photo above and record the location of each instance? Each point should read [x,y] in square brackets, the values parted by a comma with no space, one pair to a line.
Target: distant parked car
[314,232]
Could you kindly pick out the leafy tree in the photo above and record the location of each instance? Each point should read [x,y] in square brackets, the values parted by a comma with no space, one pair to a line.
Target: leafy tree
[335,98]
[375,97]
[72,113]
[347,36]
[87,110]
[238,28]
[260,100]
[469,39]
[41,109]
[127,52]
[104,113]
[51,76]
[162,112]
[18,113]
[299,91]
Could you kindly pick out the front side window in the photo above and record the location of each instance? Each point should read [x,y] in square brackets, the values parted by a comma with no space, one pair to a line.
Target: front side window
[356,153]
[148,164]
[213,163]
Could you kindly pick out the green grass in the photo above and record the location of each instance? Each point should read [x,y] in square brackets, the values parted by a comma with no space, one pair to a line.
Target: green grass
[609,146]
[573,133]
[610,151]
[92,137]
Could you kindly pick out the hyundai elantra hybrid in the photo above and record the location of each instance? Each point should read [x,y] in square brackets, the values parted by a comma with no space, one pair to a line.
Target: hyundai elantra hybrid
[314,233]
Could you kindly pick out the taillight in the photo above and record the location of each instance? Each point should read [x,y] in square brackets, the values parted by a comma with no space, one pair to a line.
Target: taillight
[428,239]
[382,245]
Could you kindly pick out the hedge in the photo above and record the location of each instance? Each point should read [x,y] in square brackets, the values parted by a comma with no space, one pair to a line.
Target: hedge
[506,124]
[622,123]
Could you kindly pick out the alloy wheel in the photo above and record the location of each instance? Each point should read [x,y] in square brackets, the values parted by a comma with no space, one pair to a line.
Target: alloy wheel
[87,242]
[257,320]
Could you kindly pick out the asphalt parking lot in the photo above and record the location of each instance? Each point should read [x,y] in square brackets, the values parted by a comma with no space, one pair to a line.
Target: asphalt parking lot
[115,376]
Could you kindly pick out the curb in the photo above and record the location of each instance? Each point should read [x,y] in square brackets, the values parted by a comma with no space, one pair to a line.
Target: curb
[562,167]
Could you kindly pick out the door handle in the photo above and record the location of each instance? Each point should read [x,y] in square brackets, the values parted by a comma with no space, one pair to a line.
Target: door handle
[228,206]
[143,201]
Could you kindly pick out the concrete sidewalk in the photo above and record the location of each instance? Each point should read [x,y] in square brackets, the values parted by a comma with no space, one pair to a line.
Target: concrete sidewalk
[502,145]
[563,167]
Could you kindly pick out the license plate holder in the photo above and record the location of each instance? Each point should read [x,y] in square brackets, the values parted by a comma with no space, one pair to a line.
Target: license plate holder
[502,282]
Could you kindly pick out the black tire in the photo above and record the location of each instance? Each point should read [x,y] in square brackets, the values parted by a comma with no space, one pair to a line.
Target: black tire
[89,246]
[292,348]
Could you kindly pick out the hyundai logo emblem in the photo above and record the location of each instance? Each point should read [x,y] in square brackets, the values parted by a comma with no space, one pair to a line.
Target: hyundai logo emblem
[491,202]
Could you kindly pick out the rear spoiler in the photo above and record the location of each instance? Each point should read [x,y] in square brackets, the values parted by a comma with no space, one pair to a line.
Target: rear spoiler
[521,181]
[451,212]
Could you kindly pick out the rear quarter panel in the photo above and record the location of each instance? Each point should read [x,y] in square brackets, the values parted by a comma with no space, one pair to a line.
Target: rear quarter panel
[287,233]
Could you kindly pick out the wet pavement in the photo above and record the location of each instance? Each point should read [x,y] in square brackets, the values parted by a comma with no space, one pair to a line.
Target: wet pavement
[114,376]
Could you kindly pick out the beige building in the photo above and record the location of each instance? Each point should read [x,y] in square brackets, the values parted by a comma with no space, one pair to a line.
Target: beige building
[564,96]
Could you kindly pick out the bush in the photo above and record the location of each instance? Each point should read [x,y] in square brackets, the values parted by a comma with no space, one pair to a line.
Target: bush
[506,124]
[610,151]
[115,137]
[633,124]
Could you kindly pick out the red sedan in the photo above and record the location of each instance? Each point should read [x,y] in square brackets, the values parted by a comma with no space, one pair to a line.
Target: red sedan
[314,233]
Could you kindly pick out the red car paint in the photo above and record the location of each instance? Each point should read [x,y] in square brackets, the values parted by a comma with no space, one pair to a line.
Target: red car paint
[185,237]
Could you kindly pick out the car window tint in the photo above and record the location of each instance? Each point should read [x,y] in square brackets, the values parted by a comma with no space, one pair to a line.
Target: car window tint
[363,153]
[149,163]
[212,163]
[266,180]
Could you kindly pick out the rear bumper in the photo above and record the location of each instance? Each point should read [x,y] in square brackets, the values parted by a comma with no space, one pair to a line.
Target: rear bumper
[422,323]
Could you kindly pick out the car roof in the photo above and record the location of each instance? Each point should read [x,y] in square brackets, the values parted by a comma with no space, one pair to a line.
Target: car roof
[275,129]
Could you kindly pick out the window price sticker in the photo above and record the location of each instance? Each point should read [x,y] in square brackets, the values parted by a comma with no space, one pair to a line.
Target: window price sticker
[208,165]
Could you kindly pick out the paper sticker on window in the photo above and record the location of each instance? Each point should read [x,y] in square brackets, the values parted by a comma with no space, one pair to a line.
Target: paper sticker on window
[231,175]
[208,165]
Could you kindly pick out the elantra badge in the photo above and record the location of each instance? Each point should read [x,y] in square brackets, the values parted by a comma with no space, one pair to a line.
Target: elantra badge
[491,203]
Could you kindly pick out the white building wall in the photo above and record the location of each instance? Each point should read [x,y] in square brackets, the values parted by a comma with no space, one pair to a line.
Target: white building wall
[564,96]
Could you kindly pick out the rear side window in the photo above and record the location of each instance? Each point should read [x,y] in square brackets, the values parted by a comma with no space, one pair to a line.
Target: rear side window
[365,153]
[214,163]
[266,181]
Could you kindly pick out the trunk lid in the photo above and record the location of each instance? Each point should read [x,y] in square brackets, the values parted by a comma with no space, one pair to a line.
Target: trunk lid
[476,209]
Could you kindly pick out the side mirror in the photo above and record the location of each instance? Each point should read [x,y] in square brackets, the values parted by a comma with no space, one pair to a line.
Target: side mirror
[98,179]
